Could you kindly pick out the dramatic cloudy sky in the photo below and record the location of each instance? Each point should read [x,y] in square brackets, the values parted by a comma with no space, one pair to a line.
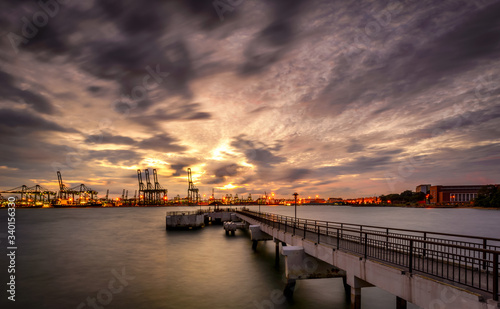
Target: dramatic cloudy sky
[336,98]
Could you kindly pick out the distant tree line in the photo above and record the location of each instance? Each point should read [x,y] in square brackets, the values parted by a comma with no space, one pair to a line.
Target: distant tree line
[407,196]
[488,196]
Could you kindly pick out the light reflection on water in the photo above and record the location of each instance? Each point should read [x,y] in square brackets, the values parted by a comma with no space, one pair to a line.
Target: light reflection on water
[67,255]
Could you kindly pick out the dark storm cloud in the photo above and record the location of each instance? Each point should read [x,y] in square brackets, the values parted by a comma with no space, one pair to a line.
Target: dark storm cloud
[180,165]
[359,165]
[116,157]
[274,40]
[106,138]
[94,89]
[177,112]
[457,163]
[137,17]
[146,66]
[472,120]
[218,172]
[355,147]
[9,91]
[257,153]
[162,143]
[159,142]
[396,71]
[226,170]
[294,174]
[24,120]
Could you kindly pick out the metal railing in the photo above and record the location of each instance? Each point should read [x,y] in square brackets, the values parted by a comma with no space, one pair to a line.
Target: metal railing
[468,260]
[199,211]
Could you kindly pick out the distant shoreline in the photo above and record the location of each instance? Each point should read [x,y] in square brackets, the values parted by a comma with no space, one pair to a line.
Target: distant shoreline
[302,205]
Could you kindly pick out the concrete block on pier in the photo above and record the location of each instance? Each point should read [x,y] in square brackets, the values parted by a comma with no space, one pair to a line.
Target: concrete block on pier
[300,265]
[256,234]
[220,216]
[185,221]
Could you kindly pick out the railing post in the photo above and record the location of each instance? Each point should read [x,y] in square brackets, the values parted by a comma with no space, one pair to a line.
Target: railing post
[286,223]
[338,239]
[317,226]
[366,245]
[495,276]
[484,253]
[387,239]
[410,257]
[305,227]
[424,251]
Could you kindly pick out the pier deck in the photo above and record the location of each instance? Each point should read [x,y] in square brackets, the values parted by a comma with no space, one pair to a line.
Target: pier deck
[466,262]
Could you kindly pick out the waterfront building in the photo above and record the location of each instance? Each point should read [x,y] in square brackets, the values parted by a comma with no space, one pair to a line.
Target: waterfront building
[423,188]
[454,194]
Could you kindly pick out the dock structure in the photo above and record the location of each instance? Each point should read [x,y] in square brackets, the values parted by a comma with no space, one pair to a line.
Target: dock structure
[200,218]
[430,270]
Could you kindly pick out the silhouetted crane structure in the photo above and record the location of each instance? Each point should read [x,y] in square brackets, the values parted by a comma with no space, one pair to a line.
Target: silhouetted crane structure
[31,194]
[160,192]
[193,196]
[63,189]
[80,190]
[141,187]
[83,192]
[151,194]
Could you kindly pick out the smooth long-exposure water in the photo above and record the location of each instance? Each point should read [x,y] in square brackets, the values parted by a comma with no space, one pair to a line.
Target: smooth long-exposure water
[126,259]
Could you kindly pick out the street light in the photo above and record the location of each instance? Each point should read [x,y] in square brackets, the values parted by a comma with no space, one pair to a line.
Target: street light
[295,222]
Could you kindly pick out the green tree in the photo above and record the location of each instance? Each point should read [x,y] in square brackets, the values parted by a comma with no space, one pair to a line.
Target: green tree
[406,196]
[417,197]
[488,196]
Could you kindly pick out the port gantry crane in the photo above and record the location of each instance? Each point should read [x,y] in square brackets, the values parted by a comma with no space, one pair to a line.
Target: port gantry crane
[160,192]
[81,190]
[152,195]
[28,193]
[141,188]
[63,189]
[192,190]
[149,188]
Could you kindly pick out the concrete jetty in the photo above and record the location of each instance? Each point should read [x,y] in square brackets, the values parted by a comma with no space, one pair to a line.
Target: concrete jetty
[198,218]
[430,270]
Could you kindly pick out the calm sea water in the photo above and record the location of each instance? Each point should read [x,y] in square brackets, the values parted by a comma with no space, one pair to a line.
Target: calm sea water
[66,258]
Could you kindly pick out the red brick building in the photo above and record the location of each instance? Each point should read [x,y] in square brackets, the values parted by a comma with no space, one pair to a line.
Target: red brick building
[454,194]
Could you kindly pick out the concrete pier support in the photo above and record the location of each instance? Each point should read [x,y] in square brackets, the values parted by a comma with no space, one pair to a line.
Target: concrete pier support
[289,288]
[355,298]
[257,235]
[277,256]
[401,303]
[347,287]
